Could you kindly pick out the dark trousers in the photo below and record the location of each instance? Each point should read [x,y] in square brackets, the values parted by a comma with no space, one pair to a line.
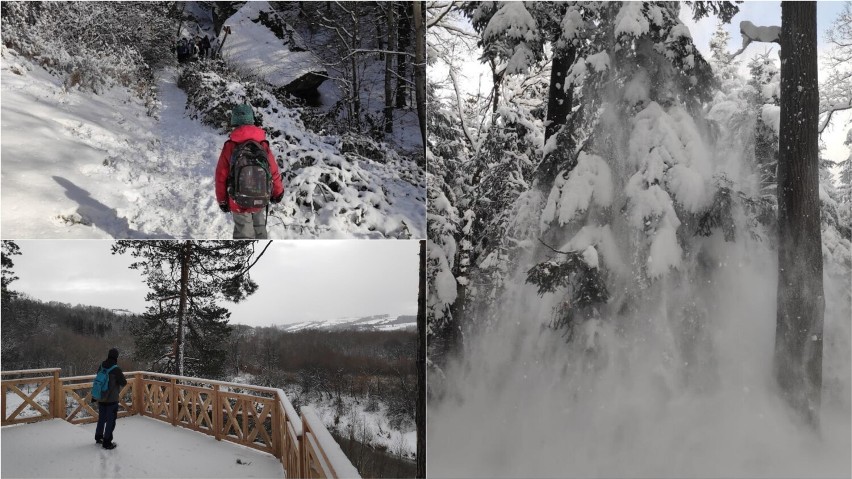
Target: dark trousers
[107,414]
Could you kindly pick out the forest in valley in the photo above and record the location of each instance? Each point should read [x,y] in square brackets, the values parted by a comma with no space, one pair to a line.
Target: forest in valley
[639,245]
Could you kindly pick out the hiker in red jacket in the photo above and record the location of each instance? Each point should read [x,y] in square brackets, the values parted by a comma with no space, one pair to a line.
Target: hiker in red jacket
[247,191]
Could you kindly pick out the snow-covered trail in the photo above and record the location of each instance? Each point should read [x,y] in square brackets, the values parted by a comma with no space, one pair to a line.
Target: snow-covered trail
[182,201]
[80,165]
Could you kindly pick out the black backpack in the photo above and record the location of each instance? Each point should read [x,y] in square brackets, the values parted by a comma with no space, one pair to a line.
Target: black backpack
[249,180]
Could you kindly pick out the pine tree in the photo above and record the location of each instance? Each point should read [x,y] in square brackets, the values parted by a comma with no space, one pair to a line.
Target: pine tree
[641,85]
[723,63]
[9,249]
[184,330]
[605,64]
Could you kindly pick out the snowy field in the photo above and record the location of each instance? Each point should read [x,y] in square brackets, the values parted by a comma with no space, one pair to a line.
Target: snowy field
[378,429]
[146,448]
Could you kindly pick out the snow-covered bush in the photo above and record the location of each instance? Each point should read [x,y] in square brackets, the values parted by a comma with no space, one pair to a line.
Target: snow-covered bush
[94,45]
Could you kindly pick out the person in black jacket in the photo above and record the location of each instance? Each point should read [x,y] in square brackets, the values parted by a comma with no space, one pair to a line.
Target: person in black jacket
[108,405]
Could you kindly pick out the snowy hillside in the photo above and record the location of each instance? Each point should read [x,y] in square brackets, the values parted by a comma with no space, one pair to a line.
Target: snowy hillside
[77,164]
[382,322]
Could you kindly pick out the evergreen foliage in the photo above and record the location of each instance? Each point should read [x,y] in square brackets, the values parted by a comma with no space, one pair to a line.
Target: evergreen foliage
[187,279]
[9,249]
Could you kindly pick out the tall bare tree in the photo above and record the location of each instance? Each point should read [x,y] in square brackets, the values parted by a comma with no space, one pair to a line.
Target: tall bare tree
[420,66]
[421,365]
[391,44]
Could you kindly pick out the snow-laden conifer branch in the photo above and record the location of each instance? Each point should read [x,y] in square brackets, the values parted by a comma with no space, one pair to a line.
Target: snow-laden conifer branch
[754,33]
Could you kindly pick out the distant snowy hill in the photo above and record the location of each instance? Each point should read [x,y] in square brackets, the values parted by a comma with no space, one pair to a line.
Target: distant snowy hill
[381,322]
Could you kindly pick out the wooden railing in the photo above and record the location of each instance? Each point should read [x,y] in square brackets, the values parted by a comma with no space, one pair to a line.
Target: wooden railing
[42,383]
[253,416]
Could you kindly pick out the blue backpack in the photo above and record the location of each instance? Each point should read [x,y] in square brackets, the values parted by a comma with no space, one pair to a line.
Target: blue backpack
[101,384]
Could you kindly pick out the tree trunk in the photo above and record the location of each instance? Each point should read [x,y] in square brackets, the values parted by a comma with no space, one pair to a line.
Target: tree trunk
[420,67]
[356,88]
[559,100]
[421,365]
[496,80]
[798,335]
[404,29]
[184,293]
[391,44]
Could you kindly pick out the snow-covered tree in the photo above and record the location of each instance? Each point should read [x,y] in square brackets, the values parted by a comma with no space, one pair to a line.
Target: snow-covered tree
[601,65]
[643,151]
[836,90]
[723,63]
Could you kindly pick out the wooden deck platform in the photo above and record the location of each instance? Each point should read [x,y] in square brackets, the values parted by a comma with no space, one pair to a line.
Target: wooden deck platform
[146,448]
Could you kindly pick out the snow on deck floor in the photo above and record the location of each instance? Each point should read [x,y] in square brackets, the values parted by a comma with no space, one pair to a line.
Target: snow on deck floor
[146,448]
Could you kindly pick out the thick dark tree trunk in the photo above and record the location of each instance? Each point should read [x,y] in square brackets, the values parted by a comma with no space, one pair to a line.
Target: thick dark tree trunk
[420,66]
[559,100]
[798,335]
[402,61]
[421,366]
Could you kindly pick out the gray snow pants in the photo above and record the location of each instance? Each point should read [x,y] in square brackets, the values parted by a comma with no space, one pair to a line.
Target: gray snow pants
[250,225]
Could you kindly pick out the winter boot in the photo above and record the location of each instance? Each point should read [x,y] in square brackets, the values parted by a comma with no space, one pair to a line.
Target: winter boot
[110,445]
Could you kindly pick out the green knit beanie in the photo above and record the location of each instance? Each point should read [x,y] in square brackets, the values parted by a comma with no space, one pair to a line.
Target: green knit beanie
[242,115]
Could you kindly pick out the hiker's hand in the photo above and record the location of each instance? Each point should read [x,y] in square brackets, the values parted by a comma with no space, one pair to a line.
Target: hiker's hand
[277,199]
[225,207]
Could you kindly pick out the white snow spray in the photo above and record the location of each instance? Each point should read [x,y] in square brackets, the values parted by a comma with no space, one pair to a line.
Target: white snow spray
[678,384]
[524,403]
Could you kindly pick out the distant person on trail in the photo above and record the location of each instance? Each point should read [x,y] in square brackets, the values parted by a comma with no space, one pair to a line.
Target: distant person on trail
[247,176]
[196,48]
[205,46]
[182,50]
[108,404]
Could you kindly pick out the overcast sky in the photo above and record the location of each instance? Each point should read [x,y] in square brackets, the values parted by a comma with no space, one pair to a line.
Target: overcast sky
[298,280]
